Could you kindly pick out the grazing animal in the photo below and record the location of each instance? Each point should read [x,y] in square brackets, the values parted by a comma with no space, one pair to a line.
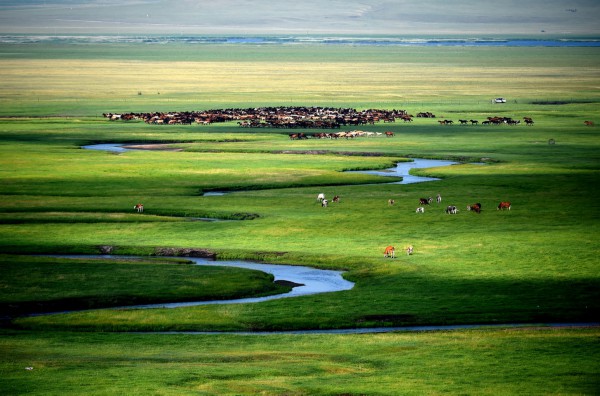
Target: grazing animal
[409,250]
[451,209]
[439,198]
[324,203]
[425,201]
[476,207]
[336,199]
[504,205]
[389,251]
[420,209]
[389,134]
[320,197]
[588,123]
[139,207]
[474,122]
[391,202]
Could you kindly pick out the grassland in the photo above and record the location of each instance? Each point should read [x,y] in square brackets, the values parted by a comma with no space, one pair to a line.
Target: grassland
[536,263]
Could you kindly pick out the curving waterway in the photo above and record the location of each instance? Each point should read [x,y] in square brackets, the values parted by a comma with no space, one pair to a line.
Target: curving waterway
[310,280]
[402,169]
[314,281]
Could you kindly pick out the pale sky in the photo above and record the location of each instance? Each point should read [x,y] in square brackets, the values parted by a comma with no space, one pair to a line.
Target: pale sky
[554,17]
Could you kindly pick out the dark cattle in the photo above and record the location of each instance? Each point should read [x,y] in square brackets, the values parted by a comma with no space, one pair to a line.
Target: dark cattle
[451,209]
[336,198]
[504,205]
[475,207]
[425,201]
[463,122]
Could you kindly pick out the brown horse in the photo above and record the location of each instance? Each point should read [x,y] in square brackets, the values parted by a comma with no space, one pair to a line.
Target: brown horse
[504,205]
[390,251]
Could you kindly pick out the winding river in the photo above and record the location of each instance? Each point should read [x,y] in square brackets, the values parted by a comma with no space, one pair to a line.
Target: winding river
[312,280]
[402,169]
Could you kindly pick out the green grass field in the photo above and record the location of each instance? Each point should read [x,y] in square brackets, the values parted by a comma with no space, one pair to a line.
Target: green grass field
[536,263]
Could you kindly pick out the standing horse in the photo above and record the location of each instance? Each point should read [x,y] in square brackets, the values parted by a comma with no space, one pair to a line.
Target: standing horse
[139,207]
[389,251]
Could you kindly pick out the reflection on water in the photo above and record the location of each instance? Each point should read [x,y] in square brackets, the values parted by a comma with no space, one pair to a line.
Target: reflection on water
[402,170]
[312,280]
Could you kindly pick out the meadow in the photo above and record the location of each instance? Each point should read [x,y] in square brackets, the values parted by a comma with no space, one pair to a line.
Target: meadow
[534,264]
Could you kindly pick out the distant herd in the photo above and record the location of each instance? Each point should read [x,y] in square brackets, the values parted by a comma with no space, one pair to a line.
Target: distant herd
[297,117]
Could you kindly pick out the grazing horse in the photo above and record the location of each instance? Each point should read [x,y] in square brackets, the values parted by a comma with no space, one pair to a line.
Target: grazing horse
[476,207]
[409,250]
[389,134]
[391,202]
[389,251]
[139,207]
[420,209]
[504,205]
[321,197]
[439,198]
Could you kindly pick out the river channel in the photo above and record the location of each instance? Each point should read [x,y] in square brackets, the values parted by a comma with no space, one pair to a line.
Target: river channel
[312,280]
[402,169]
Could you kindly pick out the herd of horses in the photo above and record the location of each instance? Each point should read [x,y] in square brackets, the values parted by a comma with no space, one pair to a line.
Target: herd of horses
[496,120]
[296,117]
[390,251]
[271,117]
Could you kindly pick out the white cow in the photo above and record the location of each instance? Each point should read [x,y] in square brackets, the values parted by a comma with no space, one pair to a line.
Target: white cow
[420,209]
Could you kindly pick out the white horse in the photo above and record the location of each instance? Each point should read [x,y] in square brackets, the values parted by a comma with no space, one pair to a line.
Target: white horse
[321,197]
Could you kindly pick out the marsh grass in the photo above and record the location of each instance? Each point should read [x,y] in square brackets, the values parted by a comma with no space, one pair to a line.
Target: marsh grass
[483,362]
[45,284]
[537,262]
